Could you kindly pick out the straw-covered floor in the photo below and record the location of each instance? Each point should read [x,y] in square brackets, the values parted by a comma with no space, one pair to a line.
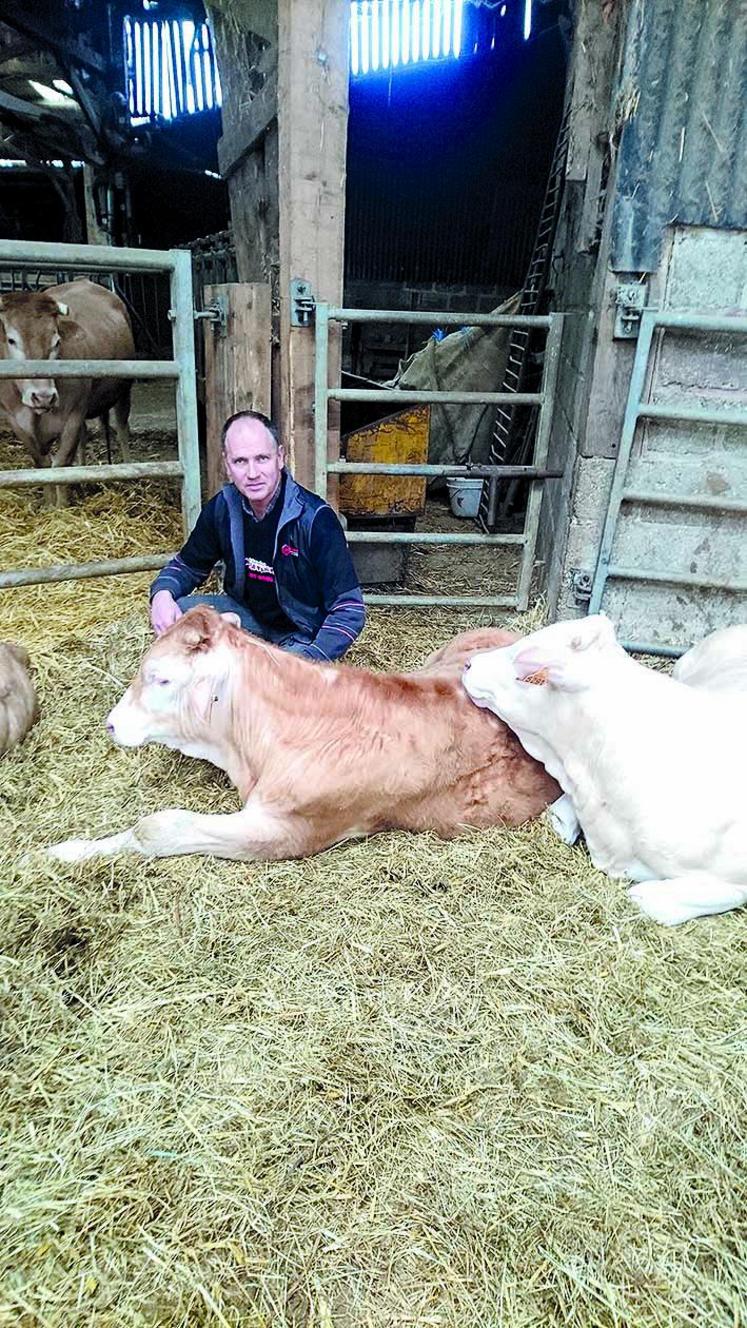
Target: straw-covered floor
[403,1083]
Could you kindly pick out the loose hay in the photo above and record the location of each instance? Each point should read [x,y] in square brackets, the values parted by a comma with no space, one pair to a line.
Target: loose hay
[404,1082]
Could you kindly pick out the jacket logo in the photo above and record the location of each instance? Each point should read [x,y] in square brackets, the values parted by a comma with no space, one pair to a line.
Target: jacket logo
[289,551]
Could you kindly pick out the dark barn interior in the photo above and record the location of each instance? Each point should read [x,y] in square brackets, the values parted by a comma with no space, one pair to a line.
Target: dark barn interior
[447,160]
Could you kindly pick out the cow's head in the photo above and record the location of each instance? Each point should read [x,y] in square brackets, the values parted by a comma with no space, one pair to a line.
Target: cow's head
[29,330]
[518,679]
[182,677]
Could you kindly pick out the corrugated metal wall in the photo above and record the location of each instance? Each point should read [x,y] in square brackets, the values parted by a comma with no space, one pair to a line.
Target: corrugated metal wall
[683,152]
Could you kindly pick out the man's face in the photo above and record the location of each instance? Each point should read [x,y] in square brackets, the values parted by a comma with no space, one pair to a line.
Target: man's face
[253,461]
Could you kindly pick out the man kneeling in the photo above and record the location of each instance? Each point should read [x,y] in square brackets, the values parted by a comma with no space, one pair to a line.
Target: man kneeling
[289,576]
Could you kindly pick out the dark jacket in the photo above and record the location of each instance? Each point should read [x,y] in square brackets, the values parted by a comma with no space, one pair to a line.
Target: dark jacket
[316,583]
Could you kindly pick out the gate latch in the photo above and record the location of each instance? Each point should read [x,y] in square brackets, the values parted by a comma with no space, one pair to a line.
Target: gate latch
[581,582]
[630,301]
[215,313]
[303,303]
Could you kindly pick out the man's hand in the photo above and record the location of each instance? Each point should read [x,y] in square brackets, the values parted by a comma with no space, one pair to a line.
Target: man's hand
[164,611]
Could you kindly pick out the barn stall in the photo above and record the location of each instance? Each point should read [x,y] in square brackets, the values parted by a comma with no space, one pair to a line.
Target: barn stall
[405,1081]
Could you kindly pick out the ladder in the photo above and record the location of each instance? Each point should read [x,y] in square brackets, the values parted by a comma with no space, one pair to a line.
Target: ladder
[506,429]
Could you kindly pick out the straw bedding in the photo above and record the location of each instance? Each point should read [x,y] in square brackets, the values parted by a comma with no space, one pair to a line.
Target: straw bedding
[404,1082]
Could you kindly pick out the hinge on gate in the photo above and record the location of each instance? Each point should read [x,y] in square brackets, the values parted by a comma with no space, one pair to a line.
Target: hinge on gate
[303,303]
[215,313]
[581,582]
[630,301]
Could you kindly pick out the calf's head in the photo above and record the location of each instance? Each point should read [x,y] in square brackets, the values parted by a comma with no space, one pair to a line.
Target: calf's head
[29,330]
[518,681]
[181,678]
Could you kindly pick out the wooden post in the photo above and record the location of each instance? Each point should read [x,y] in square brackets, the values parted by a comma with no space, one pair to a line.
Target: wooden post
[284,71]
[312,139]
[95,234]
[237,363]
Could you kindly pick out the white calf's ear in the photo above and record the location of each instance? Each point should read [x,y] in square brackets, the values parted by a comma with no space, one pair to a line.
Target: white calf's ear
[232,618]
[596,630]
[63,309]
[539,666]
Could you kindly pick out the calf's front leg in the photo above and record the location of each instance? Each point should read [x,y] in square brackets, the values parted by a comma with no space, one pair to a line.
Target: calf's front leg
[563,819]
[685,897]
[249,835]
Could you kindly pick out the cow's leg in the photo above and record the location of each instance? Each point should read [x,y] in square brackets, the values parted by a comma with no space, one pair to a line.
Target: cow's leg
[66,447]
[82,444]
[248,835]
[122,421]
[564,820]
[684,897]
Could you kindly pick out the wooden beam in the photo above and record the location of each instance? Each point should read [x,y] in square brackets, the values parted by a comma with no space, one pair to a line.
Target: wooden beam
[312,140]
[255,121]
[237,363]
[95,234]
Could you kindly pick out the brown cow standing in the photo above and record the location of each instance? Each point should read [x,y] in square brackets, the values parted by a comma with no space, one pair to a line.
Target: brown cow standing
[76,321]
[318,753]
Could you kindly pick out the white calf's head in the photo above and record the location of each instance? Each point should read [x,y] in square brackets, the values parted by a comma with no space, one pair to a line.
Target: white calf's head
[566,657]
[180,679]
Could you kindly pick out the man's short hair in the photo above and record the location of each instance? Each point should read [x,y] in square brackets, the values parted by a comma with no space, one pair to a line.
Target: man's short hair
[271,428]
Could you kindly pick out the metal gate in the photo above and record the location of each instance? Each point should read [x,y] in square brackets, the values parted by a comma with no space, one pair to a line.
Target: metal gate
[181,369]
[535,475]
[627,499]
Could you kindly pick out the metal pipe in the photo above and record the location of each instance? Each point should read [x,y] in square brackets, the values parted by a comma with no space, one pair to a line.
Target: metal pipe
[454,398]
[433,537]
[694,501]
[696,322]
[630,419]
[653,648]
[187,433]
[447,319]
[446,601]
[550,369]
[131,470]
[90,368]
[96,257]
[474,472]
[621,573]
[36,576]
[321,400]
[695,414]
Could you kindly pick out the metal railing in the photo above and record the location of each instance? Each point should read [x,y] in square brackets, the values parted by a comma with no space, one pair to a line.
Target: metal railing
[535,475]
[638,409]
[181,369]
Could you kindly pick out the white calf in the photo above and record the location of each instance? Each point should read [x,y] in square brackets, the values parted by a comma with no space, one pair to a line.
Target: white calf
[718,663]
[653,768]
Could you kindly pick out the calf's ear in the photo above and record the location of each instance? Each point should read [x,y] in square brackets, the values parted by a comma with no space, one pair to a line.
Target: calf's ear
[196,629]
[232,618]
[539,666]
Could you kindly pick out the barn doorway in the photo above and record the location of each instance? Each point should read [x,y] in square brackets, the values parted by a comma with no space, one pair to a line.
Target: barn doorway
[451,207]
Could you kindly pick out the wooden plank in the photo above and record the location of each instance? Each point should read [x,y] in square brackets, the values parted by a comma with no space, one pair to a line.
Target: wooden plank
[245,35]
[256,120]
[237,364]
[312,141]
[95,234]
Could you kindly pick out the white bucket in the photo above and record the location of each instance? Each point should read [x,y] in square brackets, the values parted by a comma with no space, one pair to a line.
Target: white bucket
[464,496]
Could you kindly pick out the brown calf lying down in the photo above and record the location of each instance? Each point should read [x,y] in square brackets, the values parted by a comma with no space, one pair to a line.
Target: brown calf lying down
[318,753]
[18,705]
